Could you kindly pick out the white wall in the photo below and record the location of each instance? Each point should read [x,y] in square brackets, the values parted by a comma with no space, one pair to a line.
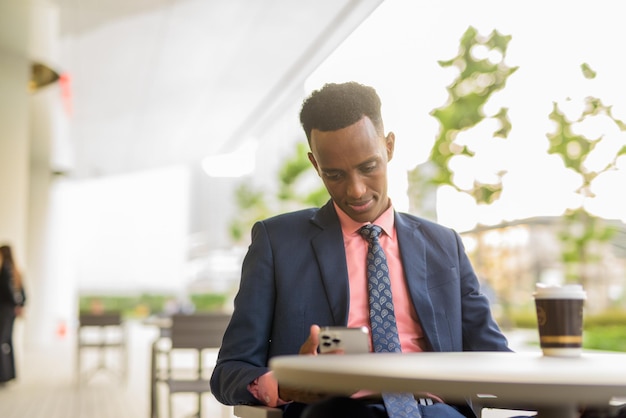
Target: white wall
[130,232]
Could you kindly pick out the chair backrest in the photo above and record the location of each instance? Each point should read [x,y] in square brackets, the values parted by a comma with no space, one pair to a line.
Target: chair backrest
[199,330]
[86,319]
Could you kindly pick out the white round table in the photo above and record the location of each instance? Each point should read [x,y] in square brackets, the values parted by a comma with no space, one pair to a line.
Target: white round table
[555,387]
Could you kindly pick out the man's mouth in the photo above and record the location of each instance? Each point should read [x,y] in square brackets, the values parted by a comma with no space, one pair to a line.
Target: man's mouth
[361,206]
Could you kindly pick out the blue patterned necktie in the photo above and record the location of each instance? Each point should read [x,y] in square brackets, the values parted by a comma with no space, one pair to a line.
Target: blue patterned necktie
[382,319]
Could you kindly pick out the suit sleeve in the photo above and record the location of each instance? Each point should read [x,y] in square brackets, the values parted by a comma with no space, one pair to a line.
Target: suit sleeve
[244,352]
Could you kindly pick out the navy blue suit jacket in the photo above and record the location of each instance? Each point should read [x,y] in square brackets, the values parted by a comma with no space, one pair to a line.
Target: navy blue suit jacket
[295,275]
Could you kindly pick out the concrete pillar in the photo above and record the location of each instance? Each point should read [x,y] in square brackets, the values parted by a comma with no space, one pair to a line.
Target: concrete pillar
[50,311]
[14,132]
[30,122]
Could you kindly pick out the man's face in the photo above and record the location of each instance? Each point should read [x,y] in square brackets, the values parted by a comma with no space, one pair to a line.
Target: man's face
[352,163]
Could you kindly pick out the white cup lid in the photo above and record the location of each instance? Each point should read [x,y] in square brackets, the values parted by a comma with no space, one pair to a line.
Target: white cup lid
[566,291]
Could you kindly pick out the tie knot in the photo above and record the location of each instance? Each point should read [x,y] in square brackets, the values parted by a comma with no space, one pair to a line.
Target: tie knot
[370,232]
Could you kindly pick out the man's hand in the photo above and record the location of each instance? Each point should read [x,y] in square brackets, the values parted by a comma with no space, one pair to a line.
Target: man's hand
[265,388]
[301,395]
[311,343]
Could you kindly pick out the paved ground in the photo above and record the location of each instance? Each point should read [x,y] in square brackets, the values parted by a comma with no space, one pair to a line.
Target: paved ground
[47,386]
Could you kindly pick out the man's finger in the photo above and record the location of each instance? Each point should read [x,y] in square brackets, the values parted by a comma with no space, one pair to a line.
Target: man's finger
[310,345]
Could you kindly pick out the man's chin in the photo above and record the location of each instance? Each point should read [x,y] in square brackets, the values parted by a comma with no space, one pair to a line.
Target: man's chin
[360,216]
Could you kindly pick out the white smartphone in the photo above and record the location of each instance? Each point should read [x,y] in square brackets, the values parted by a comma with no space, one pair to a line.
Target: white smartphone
[349,340]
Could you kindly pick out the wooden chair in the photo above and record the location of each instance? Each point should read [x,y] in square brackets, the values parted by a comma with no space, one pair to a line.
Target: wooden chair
[194,333]
[102,333]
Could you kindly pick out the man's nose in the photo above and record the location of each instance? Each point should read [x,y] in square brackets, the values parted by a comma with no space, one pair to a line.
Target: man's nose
[356,187]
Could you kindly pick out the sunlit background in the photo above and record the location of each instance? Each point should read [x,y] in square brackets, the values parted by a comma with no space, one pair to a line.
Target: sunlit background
[165,227]
[398,48]
[132,181]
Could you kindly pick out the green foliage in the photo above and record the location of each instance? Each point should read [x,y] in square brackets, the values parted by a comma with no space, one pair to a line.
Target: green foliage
[574,149]
[291,171]
[523,319]
[252,207]
[89,303]
[247,198]
[316,198]
[610,338]
[605,331]
[582,231]
[133,306]
[505,124]
[206,302]
[587,71]
[129,305]
[608,318]
[478,78]
[255,205]
[602,331]
[153,302]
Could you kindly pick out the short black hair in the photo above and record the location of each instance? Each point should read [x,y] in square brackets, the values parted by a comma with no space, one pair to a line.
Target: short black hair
[336,106]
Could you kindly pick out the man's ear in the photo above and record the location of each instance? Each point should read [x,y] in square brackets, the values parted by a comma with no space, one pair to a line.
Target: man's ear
[390,143]
[313,161]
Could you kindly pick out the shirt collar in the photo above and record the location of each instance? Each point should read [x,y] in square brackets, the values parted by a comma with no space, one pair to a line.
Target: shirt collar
[349,226]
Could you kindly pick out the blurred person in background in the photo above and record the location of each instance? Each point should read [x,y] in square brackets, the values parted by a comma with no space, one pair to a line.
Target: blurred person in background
[12,298]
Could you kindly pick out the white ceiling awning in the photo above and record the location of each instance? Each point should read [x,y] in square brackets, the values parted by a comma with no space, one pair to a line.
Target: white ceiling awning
[157,82]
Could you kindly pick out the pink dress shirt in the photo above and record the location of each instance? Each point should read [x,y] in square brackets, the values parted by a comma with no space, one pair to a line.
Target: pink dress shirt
[409,329]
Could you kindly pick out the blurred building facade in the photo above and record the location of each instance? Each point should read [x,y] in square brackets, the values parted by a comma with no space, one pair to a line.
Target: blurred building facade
[513,256]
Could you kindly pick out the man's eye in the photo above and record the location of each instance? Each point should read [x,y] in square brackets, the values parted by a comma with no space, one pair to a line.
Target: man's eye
[369,168]
[332,176]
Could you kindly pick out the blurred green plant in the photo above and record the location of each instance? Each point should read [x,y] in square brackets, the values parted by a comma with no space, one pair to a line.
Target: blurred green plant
[206,302]
[129,305]
[602,331]
[293,193]
[582,233]
[251,207]
[482,72]
[609,338]
[139,306]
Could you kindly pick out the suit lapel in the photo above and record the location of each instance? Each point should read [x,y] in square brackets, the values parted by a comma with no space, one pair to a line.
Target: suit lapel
[330,253]
[413,253]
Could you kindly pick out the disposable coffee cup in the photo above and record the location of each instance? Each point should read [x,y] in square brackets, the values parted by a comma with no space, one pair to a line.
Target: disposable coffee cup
[560,319]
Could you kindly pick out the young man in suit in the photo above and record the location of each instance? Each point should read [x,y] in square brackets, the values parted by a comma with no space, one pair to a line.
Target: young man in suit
[307,269]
